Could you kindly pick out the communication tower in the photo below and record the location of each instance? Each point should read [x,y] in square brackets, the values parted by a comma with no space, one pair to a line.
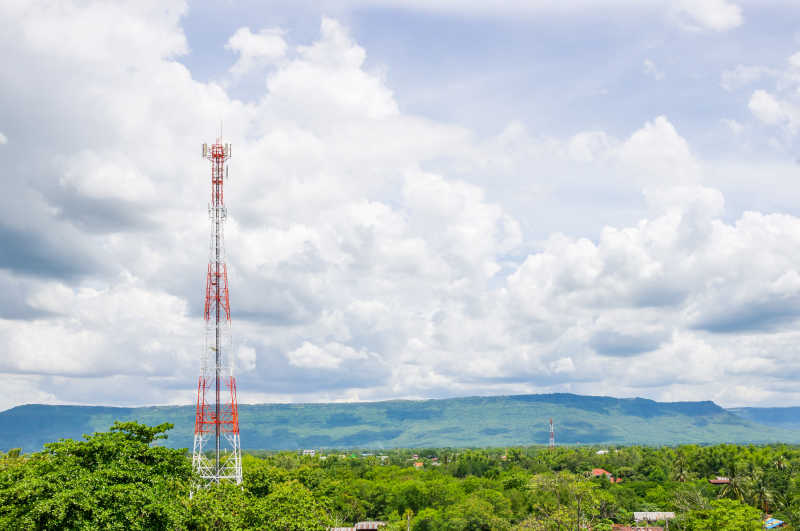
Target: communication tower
[217,452]
[552,436]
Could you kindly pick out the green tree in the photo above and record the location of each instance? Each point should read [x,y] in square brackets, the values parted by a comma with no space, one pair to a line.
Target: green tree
[219,507]
[724,515]
[289,507]
[474,514]
[427,520]
[110,480]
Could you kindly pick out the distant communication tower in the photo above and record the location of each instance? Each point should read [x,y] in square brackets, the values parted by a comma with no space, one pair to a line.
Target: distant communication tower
[552,436]
[217,452]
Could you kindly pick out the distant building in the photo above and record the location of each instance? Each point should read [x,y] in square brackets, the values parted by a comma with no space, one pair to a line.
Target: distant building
[311,453]
[623,527]
[599,472]
[418,464]
[773,523]
[360,526]
[601,452]
[652,516]
[719,480]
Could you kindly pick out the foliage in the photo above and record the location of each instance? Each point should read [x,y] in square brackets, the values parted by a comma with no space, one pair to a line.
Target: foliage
[126,479]
[724,515]
[113,480]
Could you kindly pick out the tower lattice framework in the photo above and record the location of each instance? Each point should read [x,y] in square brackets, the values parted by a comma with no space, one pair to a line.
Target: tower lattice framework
[217,453]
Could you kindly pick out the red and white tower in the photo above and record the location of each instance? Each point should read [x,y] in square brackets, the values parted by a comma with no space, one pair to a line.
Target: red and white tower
[552,436]
[217,453]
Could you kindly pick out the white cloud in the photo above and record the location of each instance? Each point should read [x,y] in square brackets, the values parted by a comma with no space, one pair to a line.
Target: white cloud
[106,175]
[246,358]
[256,50]
[794,60]
[734,126]
[658,148]
[743,75]
[328,81]
[331,356]
[373,253]
[771,111]
[590,146]
[717,15]
[781,107]
[3,139]
[766,108]
[683,269]
[650,69]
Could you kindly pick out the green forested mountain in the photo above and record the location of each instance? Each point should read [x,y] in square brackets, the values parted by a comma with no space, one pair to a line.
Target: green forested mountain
[778,417]
[456,422]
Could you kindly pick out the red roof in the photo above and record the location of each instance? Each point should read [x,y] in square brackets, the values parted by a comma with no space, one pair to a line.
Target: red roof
[600,472]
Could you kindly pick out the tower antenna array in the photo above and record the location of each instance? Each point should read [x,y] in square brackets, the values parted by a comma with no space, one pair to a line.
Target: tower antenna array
[552,443]
[218,421]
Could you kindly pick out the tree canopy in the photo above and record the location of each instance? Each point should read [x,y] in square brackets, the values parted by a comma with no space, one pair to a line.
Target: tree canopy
[126,479]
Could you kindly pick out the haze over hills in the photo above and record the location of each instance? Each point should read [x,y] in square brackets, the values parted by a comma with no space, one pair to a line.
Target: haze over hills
[472,421]
[778,417]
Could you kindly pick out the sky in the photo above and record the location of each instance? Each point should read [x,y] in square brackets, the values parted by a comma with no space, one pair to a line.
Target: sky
[426,199]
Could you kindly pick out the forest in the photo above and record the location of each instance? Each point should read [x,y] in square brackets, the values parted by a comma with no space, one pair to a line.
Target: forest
[126,478]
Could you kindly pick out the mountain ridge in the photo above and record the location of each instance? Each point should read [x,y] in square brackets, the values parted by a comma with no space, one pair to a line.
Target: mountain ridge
[463,421]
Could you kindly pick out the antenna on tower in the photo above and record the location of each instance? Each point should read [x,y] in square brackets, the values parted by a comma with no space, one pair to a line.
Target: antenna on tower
[552,443]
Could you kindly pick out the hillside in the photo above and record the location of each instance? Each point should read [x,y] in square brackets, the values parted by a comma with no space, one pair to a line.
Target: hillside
[777,417]
[474,421]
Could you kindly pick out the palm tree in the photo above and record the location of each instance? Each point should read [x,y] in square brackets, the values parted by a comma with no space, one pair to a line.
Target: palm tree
[679,468]
[761,493]
[736,488]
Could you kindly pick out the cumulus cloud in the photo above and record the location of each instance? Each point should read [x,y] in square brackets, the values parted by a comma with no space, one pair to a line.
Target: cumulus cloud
[780,107]
[683,270]
[766,108]
[331,356]
[373,253]
[256,50]
[658,148]
[347,90]
[771,111]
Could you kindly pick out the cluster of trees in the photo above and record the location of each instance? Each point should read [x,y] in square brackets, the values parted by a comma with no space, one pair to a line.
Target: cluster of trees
[123,479]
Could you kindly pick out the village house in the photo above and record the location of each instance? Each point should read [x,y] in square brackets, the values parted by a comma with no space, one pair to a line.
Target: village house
[361,526]
[598,472]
